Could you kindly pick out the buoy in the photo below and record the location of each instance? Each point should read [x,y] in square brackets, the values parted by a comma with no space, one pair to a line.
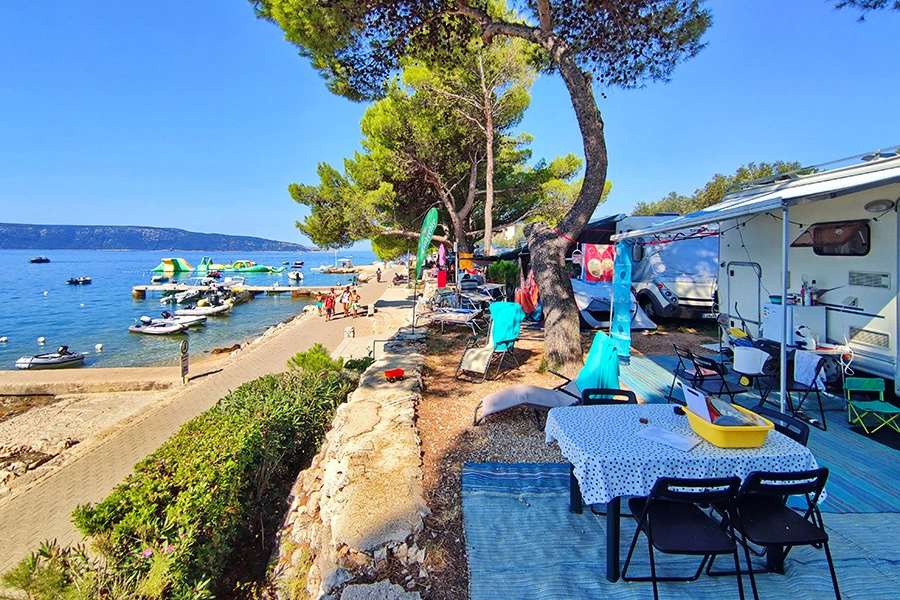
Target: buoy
[82,304]
[41,340]
[98,347]
[4,339]
[46,293]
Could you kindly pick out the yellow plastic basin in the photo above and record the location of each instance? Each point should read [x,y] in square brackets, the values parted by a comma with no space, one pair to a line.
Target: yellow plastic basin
[731,436]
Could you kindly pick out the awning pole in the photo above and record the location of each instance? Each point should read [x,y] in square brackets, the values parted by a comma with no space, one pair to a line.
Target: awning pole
[784,307]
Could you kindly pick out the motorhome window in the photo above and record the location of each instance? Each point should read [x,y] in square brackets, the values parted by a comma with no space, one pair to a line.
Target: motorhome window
[836,238]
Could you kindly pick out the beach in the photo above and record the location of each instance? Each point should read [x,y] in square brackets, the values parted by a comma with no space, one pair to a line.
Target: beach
[90,437]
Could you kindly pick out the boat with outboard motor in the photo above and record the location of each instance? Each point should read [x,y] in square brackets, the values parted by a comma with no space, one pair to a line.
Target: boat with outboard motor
[204,311]
[171,318]
[157,328]
[79,281]
[60,359]
[39,259]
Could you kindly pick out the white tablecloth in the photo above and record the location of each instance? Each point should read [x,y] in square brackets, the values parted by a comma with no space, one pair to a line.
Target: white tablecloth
[611,460]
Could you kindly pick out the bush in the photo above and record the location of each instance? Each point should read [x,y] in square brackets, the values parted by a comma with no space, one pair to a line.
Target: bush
[315,360]
[505,272]
[215,486]
[359,364]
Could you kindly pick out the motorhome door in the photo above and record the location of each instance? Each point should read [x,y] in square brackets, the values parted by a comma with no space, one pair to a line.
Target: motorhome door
[743,296]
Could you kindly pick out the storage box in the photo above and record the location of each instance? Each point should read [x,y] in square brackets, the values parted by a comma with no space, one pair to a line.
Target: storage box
[731,436]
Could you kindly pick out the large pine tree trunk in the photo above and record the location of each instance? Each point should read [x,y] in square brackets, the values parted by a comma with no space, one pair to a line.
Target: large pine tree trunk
[562,346]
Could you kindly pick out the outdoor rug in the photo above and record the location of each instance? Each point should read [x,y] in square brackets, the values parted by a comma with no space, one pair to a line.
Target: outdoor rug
[523,542]
[884,436]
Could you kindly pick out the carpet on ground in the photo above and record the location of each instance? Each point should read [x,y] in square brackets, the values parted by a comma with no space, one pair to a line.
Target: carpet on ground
[522,542]
[884,436]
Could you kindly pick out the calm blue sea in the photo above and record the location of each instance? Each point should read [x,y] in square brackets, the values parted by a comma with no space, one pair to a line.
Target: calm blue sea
[35,301]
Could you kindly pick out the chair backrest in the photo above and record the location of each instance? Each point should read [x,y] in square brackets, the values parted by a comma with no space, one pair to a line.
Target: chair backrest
[594,396]
[720,490]
[808,369]
[867,385]
[795,429]
[707,367]
[506,319]
[601,367]
[782,485]
[749,360]
[685,357]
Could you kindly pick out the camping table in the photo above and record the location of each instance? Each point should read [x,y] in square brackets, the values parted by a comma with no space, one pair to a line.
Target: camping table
[610,460]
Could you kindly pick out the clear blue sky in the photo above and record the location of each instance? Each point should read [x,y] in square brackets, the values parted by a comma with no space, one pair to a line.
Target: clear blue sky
[197,115]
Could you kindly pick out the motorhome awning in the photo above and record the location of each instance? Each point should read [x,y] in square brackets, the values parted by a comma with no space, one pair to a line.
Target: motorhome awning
[794,190]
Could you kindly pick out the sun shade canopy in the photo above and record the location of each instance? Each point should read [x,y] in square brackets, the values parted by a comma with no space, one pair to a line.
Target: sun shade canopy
[789,190]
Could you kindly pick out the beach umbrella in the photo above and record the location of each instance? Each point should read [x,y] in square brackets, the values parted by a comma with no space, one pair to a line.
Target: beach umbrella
[442,256]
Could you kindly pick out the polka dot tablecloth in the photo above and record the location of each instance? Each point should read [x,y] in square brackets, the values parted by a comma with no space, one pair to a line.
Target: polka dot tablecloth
[611,460]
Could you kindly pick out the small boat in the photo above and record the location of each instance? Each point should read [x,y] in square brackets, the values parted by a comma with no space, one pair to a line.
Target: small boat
[180,297]
[203,311]
[60,359]
[157,328]
[79,280]
[295,275]
[39,259]
[159,279]
[173,319]
[320,269]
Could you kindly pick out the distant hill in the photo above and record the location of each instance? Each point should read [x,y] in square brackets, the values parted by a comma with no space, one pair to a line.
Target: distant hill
[17,236]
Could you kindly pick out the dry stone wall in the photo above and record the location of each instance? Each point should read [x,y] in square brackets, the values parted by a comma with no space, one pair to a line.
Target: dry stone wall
[356,511]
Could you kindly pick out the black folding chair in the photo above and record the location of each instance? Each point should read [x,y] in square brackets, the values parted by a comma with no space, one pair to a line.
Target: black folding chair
[684,370]
[710,378]
[762,517]
[803,389]
[674,523]
[790,426]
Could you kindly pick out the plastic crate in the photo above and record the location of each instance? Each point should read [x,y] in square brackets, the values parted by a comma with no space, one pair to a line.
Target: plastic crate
[731,436]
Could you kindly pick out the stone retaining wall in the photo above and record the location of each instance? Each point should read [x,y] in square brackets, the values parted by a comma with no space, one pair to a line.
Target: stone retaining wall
[355,512]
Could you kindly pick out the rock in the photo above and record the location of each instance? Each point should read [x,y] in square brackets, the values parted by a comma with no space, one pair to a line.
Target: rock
[383,590]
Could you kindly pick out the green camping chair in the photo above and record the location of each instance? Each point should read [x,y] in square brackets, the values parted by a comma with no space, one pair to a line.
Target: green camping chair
[506,318]
[884,413]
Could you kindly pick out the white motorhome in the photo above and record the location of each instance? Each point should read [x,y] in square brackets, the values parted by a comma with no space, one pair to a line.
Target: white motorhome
[674,275]
[834,227]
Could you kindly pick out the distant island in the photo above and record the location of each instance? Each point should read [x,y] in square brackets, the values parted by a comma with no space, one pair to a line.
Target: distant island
[19,236]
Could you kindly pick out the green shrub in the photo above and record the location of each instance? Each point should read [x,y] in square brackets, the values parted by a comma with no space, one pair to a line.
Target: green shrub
[505,272]
[215,486]
[315,360]
[359,364]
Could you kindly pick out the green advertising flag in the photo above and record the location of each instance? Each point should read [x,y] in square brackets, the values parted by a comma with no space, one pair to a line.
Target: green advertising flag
[428,227]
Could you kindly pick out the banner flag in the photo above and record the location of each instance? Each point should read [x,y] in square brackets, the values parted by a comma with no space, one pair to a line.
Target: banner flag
[428,227]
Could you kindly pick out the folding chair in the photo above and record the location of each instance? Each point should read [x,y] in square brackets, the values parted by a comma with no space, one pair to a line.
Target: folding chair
[674,523]
[794,428]
[754,366]
[506,318]
[710,377]
[684,371]
[595,396]
[600,370]
[762,517]
[885,413]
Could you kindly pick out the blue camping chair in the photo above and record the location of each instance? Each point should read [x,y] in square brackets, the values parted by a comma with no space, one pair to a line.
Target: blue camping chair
[600,370]
[506,319]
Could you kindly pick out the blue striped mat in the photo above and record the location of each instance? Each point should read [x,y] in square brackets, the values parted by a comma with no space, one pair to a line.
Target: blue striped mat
[523,542]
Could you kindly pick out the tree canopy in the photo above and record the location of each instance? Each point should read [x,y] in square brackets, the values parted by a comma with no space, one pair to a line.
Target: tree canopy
[713,191]
[358,44]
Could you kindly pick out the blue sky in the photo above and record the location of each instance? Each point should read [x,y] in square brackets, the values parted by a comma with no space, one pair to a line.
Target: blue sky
[196,115]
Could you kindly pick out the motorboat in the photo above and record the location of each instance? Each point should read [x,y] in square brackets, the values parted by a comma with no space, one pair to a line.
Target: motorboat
[203,311]
[158,328]
[169,317]
[60,359]
[181,297]
[159,279]
[296,273]
[79,280]
[39,259]
[319,269]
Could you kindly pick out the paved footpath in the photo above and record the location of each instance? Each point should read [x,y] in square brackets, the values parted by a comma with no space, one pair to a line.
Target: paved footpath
[42,509]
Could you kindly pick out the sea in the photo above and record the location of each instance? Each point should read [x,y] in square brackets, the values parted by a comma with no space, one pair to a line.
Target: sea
[36,302]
